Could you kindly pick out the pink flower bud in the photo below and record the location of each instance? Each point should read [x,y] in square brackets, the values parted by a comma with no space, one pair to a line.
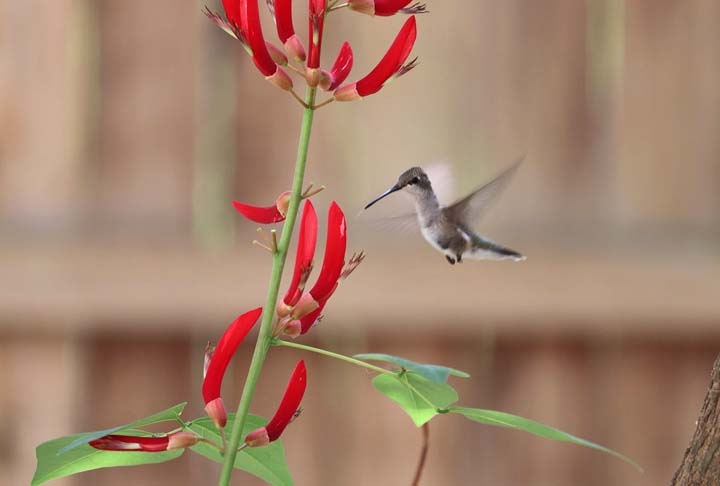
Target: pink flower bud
[283,202]
[182,440]
[276,54]
[257,438]
[292,328]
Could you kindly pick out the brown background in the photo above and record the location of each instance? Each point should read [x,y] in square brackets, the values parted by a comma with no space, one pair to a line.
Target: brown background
[126,128]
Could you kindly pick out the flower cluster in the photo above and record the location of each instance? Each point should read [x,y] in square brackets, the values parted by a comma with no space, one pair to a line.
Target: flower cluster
[299,310]
[242,21]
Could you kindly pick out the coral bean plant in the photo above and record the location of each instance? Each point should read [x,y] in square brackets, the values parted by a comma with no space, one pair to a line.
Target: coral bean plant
[239,440]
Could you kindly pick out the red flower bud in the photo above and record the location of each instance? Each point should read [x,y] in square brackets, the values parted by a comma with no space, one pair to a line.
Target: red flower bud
[286,411]
[286,31]
[305,253]
[114,442]
[390,65]
[340,70]
[265,214]
[385,8]
[226,347]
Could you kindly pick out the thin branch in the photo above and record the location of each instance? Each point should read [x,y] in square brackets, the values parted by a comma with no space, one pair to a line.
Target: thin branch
[324,103]
[299,99]
[423,453]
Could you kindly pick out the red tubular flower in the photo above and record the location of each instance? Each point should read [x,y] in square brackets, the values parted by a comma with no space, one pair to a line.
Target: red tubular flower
[286,32]
[334,254]
[285,413]
[316,21]
[390,65]
[252,30]
[307,239]
[265,214]
[385,8]
[340,70]
[178,440]
[224,350]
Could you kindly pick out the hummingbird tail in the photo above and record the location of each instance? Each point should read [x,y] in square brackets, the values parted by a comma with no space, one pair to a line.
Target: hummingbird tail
[483,249]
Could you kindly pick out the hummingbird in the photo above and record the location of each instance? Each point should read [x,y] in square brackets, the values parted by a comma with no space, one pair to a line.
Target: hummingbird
[449,228]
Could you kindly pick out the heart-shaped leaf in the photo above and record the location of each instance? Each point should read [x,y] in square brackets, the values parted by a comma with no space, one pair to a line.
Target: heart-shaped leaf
[502,419]
[268,462]
[421,398]
[434,373]
[72,454]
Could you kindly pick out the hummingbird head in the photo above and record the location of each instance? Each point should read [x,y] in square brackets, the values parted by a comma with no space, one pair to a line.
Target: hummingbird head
[414,180]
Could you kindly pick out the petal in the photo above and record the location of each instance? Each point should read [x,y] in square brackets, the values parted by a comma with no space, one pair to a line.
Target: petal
[290,402]
[226,347]
[307,239]
[258,214]
[334,254]
[341,68]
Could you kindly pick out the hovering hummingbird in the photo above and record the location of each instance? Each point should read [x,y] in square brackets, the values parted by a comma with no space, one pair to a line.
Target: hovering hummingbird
[448,228]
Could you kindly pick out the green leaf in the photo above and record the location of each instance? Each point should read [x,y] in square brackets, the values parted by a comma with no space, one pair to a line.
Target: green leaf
[72,454]
[421,398]
[170,414]
[434,373]
[501,419]
[267,463]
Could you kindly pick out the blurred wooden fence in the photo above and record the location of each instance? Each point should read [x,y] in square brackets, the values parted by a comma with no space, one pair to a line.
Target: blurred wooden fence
[125,129]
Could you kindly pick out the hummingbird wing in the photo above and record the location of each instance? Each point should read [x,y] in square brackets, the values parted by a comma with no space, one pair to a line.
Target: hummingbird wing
[472,207]
[403,223]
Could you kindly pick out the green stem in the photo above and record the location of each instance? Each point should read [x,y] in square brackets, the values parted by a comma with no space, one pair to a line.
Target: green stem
[324,352]
[262,344]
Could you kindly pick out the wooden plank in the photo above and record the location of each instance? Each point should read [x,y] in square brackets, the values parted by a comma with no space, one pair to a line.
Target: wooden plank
[40,379]
[121,286]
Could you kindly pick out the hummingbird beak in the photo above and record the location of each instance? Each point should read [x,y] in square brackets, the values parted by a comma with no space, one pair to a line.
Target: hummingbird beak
[386,193]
